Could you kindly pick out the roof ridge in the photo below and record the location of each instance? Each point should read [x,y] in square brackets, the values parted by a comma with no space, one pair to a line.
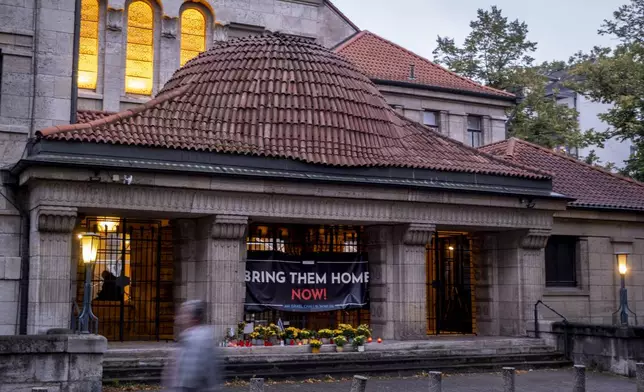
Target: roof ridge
[428,61]
[349,40]
[577,161]
[115,116]
[491,156]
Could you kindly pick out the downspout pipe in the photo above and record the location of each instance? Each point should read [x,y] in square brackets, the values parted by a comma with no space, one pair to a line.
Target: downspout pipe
[75,56]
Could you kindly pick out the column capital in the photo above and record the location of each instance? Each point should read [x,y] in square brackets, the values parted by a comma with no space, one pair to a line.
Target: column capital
[56,219]
[535,239]
[418,233]
[114,19]
[229,226]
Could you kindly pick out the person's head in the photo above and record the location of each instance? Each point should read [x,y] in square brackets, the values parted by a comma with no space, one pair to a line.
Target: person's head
[191,313]
[106,274]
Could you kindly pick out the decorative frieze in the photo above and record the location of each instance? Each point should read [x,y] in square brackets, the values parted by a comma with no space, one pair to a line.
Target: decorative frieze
[169,27]
[229,227]
[114,19]
[204,202]
[535,239]
[220,32]
[56,219]
[418,234]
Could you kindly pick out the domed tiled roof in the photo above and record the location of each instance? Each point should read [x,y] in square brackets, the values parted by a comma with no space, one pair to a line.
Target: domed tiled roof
[280,96]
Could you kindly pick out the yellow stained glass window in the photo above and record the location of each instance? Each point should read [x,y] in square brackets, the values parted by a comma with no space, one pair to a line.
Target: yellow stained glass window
[139,64]
[193,34]
[88,49]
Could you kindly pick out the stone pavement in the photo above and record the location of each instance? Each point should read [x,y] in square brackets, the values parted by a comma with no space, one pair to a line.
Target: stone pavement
[535,381]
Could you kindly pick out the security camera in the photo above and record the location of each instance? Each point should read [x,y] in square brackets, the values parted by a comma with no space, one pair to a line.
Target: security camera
[127,179]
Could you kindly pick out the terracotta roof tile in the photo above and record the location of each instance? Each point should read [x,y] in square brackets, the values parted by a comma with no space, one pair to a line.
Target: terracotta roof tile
[85,116]
[590,185]
[280,96]
[381,59]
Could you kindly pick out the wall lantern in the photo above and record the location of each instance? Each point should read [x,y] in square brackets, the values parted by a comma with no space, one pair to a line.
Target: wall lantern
[89,246]
[622,267]
[89,249]
[622,263]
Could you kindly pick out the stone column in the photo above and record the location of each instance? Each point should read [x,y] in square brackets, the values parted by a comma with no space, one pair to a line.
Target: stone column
[50,265]
[522,279]
[398,286]
[169,51]
[114,72]
[444,122]
[226,266]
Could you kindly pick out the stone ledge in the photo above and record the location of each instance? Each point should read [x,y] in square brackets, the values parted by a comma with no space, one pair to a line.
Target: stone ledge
[34,344]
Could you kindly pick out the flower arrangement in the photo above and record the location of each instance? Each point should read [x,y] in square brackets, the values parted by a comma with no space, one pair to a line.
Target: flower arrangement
[325,333]
[359,341]
[254,335]
[304,336]
[364,330]
[240,328]
[291,333]
[340,341]
[347,331]
[316,343]
[337,332]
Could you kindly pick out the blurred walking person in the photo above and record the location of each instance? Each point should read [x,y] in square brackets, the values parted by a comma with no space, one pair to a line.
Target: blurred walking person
[197,364]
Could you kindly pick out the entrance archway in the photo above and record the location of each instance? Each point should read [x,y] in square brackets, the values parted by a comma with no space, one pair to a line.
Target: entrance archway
[132,279]
[450,280]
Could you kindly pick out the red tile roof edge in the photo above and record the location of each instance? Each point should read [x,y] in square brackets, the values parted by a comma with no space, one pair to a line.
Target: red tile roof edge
[112,117]
[342,15]
[540,172]
[362,33]
[510,155]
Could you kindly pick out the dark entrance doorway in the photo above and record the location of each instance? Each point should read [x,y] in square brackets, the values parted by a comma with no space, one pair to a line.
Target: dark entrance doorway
[132,279]
[450,279]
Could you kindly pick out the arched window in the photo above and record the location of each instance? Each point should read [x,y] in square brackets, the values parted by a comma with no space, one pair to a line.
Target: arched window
[88,48]
[139,66]
[193,34]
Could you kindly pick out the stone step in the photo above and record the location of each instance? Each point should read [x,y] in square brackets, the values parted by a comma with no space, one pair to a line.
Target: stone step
[342,364]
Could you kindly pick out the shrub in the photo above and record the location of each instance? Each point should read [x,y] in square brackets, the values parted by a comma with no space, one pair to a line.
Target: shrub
[291,333]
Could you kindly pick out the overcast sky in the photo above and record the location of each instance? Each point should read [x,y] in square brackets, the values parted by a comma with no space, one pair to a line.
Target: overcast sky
[561,27]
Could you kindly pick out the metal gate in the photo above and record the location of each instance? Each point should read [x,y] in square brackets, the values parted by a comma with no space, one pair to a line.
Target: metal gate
[450,284]
[132,279]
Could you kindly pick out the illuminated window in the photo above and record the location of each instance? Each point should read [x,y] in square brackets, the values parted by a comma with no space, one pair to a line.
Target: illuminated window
[139,65]
[193,34]
[88,49]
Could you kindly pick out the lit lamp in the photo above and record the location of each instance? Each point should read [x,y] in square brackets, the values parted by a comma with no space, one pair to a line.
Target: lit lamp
[622,267]
[89,250]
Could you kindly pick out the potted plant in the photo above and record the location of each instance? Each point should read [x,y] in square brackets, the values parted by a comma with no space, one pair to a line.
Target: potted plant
[276,333]
[291,333]
[358,342]
[363,330]
[304,336]
[255,338]
[340,341]
[348,331]
[325,335]
[315,346]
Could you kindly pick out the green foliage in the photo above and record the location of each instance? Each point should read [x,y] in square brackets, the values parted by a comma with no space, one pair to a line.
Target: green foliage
[616,76]
[497,53]
[494,46]
[340,341]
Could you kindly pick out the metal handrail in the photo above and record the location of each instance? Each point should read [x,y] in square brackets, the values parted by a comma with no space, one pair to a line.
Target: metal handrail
[536,325]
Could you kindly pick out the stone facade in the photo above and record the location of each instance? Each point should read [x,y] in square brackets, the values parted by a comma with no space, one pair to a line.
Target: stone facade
[451,109]
[64,363]
[596,296]
[313,19]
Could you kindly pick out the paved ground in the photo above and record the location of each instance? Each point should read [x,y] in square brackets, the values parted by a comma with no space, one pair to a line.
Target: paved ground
[535,381]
